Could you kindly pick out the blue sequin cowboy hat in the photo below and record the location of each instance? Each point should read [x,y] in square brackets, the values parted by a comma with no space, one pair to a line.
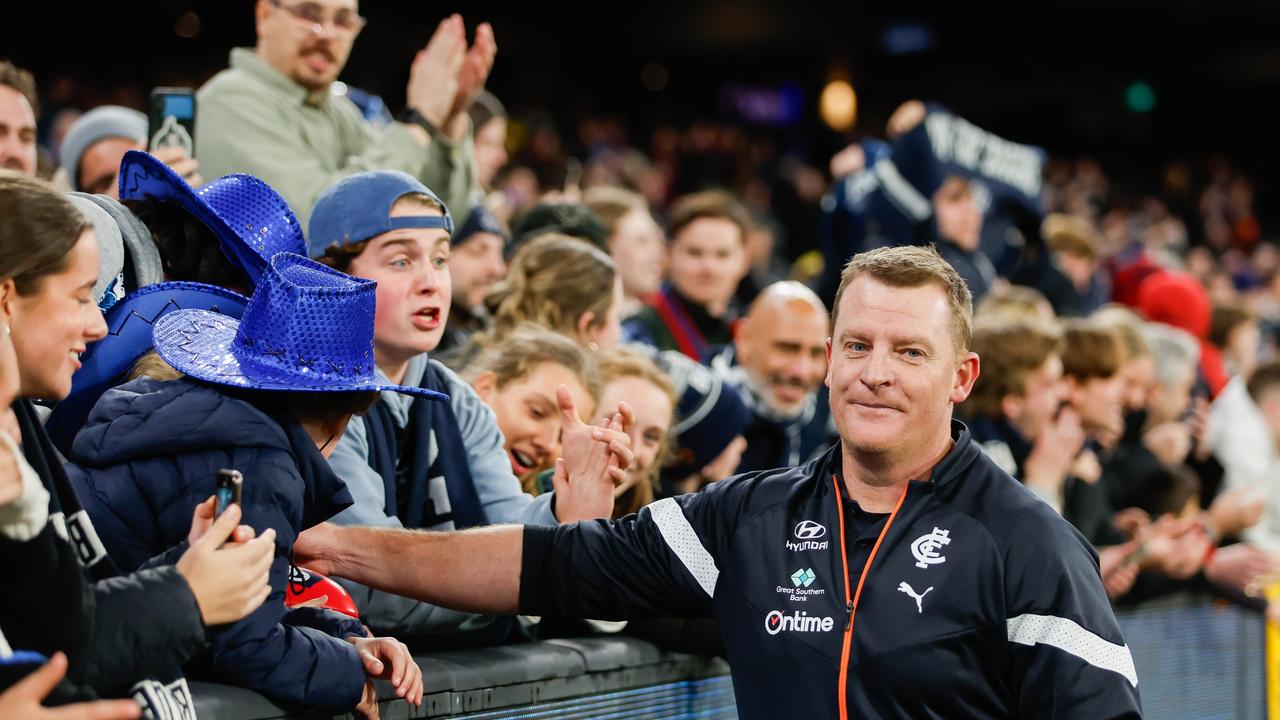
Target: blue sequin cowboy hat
[307,327]
[250,219]
[129,328]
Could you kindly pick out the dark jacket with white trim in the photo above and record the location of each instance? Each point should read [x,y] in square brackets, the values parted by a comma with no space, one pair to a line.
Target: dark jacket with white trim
[1011,621]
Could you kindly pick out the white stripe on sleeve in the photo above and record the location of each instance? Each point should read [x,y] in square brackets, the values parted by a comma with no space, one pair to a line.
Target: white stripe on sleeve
[1069,636]
[684,542]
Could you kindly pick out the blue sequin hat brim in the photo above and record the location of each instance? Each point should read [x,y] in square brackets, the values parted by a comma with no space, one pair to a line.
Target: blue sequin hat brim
[201,344]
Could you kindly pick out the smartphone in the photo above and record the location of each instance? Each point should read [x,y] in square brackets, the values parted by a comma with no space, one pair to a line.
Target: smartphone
[227,490]
[171,120]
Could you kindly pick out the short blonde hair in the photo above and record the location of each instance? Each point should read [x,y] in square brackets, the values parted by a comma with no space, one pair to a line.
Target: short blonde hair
[911,267]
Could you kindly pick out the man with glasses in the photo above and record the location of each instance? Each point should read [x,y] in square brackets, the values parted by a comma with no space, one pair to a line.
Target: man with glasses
[272,114]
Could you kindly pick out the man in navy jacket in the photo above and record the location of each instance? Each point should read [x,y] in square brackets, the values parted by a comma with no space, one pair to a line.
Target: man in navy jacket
[902,574]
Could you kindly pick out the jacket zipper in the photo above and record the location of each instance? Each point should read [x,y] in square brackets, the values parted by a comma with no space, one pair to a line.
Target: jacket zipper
[851,604]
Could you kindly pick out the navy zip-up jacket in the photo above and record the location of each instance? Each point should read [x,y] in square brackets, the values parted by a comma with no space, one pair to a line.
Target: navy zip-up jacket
[149,453]
[973,598]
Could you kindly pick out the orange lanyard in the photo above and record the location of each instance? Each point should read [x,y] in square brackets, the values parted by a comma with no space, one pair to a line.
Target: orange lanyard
[851,605]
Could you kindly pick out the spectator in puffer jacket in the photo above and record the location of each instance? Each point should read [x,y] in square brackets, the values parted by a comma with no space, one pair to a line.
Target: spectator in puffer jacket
[268,395]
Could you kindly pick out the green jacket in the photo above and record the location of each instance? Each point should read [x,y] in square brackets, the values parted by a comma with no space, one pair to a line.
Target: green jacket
[251,118]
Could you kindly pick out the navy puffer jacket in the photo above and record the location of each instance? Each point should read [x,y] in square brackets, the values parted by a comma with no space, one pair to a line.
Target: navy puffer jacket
[149,454]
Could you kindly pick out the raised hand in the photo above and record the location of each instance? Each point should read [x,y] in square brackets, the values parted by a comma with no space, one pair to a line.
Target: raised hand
[595,461]
[475,70]
[433,76]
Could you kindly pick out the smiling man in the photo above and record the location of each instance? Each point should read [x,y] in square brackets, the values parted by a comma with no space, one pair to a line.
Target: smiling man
[779,348]
[901,574]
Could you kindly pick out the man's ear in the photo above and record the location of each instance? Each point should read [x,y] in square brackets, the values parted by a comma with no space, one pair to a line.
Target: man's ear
[966,376]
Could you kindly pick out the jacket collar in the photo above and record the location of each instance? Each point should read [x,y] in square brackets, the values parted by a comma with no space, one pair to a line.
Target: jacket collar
[248,61]
[949,469]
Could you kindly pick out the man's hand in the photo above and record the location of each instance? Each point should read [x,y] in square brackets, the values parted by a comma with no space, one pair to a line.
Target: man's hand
[595,461]
[389,659]
[314,548]
[230,582]
[22,700]
[181,163]
[1119,568]
[1236,509]
[433,76]
[1054,452]
[848,161]
[1086,467]
[472,75]
[202,519]
[903,120]
[1238,566]
[726,463]
[1176,547]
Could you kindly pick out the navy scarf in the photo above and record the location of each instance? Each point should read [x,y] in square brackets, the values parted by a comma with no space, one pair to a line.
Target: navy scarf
[402,458]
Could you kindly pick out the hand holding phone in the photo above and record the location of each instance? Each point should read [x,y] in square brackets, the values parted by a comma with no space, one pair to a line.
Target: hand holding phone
[171,120]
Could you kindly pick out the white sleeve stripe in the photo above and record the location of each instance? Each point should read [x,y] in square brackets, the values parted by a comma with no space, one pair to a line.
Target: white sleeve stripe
[5,650]
[684,542]
[1069,636]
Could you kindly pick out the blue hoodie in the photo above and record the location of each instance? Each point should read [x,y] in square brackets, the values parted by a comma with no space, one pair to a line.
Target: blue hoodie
[149,454]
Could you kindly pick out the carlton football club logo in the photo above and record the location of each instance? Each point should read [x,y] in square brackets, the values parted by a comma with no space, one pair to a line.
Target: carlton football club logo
[798,621]
[926,547]
[808,536]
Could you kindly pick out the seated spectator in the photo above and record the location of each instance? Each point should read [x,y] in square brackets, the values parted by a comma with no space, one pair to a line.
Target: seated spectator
[1015,410]
[558,218]
[143,627]
[476,265]
[707,258]
[223,234]
[97,141]
[635,242]
[778,361]
[957,224]
[415,464]
[1015,302]
[630,376]
[18,105]
[1245,436]
[707,442]
[268,395]
[517,378]
[1236,332]
[562,284]
[1074,245]
[1178,299]
[489,132]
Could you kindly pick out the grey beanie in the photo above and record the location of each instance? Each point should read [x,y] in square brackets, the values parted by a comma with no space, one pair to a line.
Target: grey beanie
[102,122]
[141,254]
[110,285]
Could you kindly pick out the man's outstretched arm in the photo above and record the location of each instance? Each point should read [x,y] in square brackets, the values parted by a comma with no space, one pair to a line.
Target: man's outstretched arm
[473,570]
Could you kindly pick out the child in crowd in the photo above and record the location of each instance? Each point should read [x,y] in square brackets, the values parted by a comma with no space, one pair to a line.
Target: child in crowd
[268,395]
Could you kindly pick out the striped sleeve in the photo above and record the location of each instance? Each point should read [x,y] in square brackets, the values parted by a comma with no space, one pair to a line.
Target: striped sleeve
[652,564]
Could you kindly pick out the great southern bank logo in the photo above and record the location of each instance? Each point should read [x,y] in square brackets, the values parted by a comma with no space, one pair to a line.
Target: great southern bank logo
[798,621]
[808,536]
